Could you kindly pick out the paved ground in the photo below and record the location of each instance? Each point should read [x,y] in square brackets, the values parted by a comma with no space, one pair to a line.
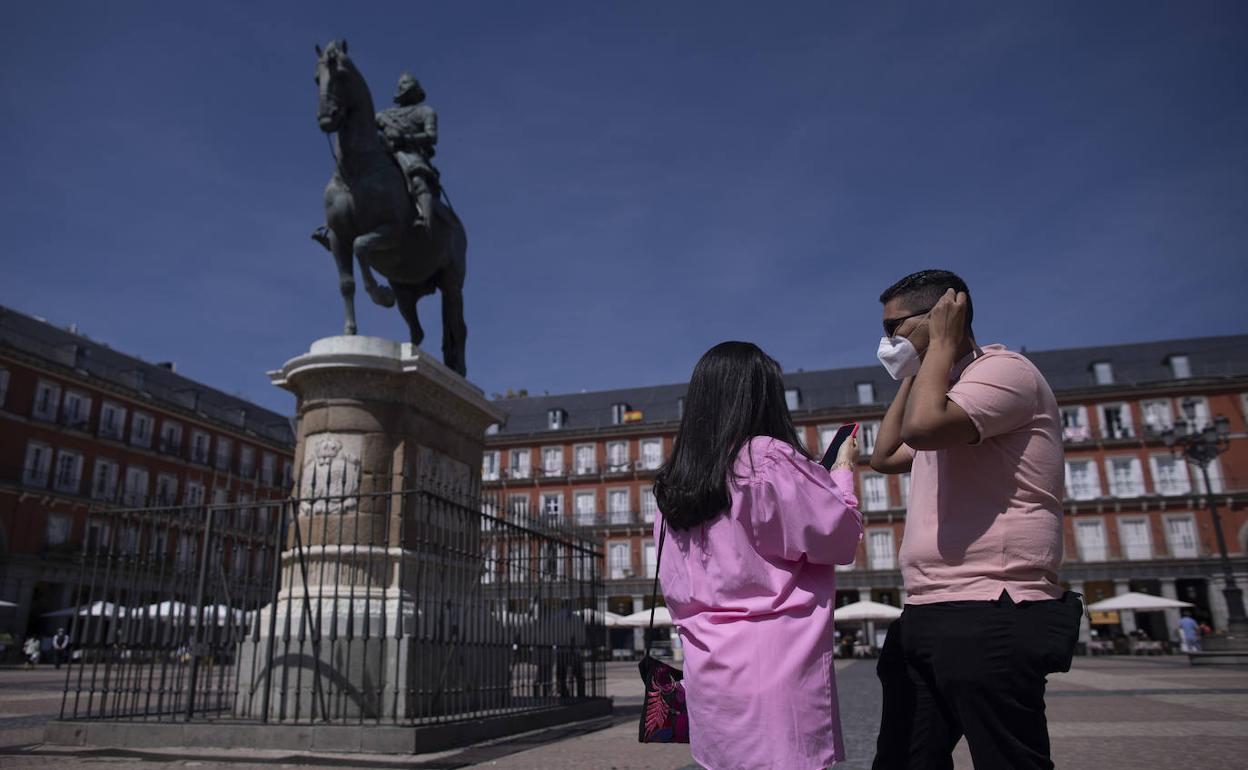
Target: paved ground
[1108,713]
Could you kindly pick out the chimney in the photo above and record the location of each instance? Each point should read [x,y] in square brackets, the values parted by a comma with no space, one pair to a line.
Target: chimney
[171,366]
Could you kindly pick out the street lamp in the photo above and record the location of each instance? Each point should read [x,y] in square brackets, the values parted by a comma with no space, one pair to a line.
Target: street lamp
[1200,445]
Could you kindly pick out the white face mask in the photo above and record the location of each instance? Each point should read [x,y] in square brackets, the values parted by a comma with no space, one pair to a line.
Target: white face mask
[899,357]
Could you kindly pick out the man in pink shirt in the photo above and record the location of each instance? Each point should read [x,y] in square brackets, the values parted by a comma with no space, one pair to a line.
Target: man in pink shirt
[985,619]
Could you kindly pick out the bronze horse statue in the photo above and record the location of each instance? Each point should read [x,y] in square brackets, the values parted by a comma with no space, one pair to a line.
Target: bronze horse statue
[369,215]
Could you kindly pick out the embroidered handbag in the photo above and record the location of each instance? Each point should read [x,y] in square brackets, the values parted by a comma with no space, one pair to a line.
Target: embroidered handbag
[664,718]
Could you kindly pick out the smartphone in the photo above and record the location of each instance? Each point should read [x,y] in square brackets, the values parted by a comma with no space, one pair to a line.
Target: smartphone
[842,434]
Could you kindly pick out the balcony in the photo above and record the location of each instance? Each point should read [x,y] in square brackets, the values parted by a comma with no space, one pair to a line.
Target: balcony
[74,422]
[613,519]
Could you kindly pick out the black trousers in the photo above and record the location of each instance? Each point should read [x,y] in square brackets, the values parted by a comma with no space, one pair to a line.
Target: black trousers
[976,669]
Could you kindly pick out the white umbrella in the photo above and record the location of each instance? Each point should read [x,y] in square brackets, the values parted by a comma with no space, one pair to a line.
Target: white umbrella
[95,610]
[866,610]
[3,603]
[641,619]
[608,619]
[1138,602]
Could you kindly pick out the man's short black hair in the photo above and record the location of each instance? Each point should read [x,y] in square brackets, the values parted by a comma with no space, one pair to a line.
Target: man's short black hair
[925,288]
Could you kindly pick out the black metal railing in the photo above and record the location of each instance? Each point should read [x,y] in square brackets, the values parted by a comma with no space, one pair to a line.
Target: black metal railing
[400,603]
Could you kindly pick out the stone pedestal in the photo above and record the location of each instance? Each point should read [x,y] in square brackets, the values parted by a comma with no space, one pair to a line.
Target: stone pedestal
[379,579]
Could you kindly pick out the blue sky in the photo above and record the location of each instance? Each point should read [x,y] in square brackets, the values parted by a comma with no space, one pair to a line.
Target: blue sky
[639,180]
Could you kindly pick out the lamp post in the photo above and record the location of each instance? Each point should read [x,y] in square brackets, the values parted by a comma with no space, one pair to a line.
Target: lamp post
[1200,445]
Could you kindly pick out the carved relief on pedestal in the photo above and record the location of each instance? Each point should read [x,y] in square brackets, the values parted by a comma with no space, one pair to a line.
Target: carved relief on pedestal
[442,474]
[330,477]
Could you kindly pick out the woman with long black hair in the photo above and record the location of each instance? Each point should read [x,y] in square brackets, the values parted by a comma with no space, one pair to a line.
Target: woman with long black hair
[751,528]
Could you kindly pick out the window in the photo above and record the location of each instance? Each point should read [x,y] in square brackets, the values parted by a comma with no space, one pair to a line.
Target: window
[247,461]
[619,561]
[170,437]
[792,399]
[826,432]
[800,431]
[1200,410]
[866,437]
[617,506]
[38,464]
[651,453]
[647,558]
[880,544]
[518,506]
[521,467]
[552,460]
[136,486]
[1215,478]
[268,462]
[1103,372]
[1181,536]
[583,457]
[199,447]
[141,429]
[286,477]
[77,410]
[1116,421]
[166,489]
[649,506]
[866,392]
[1136,543]
[1180,367]
[104,479]
[1157,415]
[1075,424]
[493,429]
[617,456]
[220,496]
[489,466]
[874,492]
[68,474]
[58,528]
[225,451]
[1090,540]
[552,505]
[556,418]
[1126,479]
[903,483]
[617,413]
[1082,481]
[4,384]
[1169,475]
[194,493]
[47,401]
[680,407]
[112,420]
[586,508]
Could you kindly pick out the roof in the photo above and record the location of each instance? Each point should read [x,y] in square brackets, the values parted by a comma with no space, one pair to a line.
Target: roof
[65,347]
[1070,369]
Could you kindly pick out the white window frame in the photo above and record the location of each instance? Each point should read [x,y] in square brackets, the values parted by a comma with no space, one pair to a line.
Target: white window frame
[1081,430]
[882,548]
[136,476]
[1088,492]
[116,427]
[875,496]
[1156,415]
[618,513]
[1103,372]
[268,468]
[866,393]
[1135,551]
[58,535]
[37,470]
[520,464]
[585,505]
[287,477]
[76,411]
[617,413]
[201,446]
[1116,488]
[651,460]
[793,399]
[903,485]
[223,453]
[47,403]
[1215,478]
[617,461]
[171,437]
[1204,417]
[246,461]
[552,460]
[649,505]
[489,465]
[1091,552]
[556,419]
[1180,366]
[1126,427]
[800,432]
[867,433]
[1174,540]
[619,559]
[1181,484]
[142,427]
[69,479]
[194,494]
[826,434]
[519,506]
[580,465]
[649,561]
[552,505]
[104,477]
[166,489]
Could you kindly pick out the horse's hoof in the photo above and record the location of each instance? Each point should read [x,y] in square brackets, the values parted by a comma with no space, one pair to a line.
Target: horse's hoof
[349,330]
[382,295]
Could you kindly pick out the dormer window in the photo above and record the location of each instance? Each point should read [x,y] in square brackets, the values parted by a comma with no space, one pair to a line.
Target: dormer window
[793,399]
[866,393]
[1104,372]
[1180,367]
[617,413]
[680,408]
[556,419]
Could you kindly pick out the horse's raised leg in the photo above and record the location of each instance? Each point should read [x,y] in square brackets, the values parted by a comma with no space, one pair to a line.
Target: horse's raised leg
[407,296]
[364,245]
[341,249]
[454,330]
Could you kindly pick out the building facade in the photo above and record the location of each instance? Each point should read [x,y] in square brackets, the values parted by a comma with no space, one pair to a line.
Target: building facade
[84,426]
[1136,515]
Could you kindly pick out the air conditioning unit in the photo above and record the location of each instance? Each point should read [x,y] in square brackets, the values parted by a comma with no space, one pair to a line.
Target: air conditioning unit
[639,465]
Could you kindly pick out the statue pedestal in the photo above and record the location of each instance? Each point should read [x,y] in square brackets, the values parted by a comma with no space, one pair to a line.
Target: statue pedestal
[379,613]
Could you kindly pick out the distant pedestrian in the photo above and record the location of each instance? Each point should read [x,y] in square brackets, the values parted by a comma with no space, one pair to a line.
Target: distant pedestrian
[1189,633]
[31,649]
[60,647]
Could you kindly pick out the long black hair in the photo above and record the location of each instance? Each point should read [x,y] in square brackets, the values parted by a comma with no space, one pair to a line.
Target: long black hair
[736,393]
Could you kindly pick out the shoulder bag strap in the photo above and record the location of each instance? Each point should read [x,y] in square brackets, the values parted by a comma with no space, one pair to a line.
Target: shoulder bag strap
[654,592]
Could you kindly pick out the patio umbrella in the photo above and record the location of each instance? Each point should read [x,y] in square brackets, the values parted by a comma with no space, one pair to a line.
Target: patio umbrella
[641,619]
[95,610]
[867,610]
[3,603]
[1137,602]
[608,619]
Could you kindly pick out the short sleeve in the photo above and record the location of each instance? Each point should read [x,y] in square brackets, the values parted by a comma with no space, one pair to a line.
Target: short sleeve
[798,510]
[999,393]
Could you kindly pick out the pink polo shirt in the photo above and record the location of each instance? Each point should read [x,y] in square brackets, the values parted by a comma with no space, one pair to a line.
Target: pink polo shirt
[987,517]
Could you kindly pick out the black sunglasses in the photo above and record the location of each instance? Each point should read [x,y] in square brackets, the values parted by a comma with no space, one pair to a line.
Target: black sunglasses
[892,324]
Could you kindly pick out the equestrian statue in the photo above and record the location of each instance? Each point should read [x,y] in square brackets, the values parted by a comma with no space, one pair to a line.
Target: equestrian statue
[384,205]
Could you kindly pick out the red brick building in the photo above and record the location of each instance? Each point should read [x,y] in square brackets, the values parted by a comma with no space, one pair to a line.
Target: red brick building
[1137,516]
[83,426]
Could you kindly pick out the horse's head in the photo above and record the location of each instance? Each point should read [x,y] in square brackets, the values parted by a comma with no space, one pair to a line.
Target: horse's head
[334,79]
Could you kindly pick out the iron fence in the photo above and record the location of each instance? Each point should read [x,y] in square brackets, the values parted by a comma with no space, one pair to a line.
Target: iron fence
[404,603]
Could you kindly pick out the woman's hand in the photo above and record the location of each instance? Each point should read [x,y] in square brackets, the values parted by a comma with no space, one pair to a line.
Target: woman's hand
[847,455]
